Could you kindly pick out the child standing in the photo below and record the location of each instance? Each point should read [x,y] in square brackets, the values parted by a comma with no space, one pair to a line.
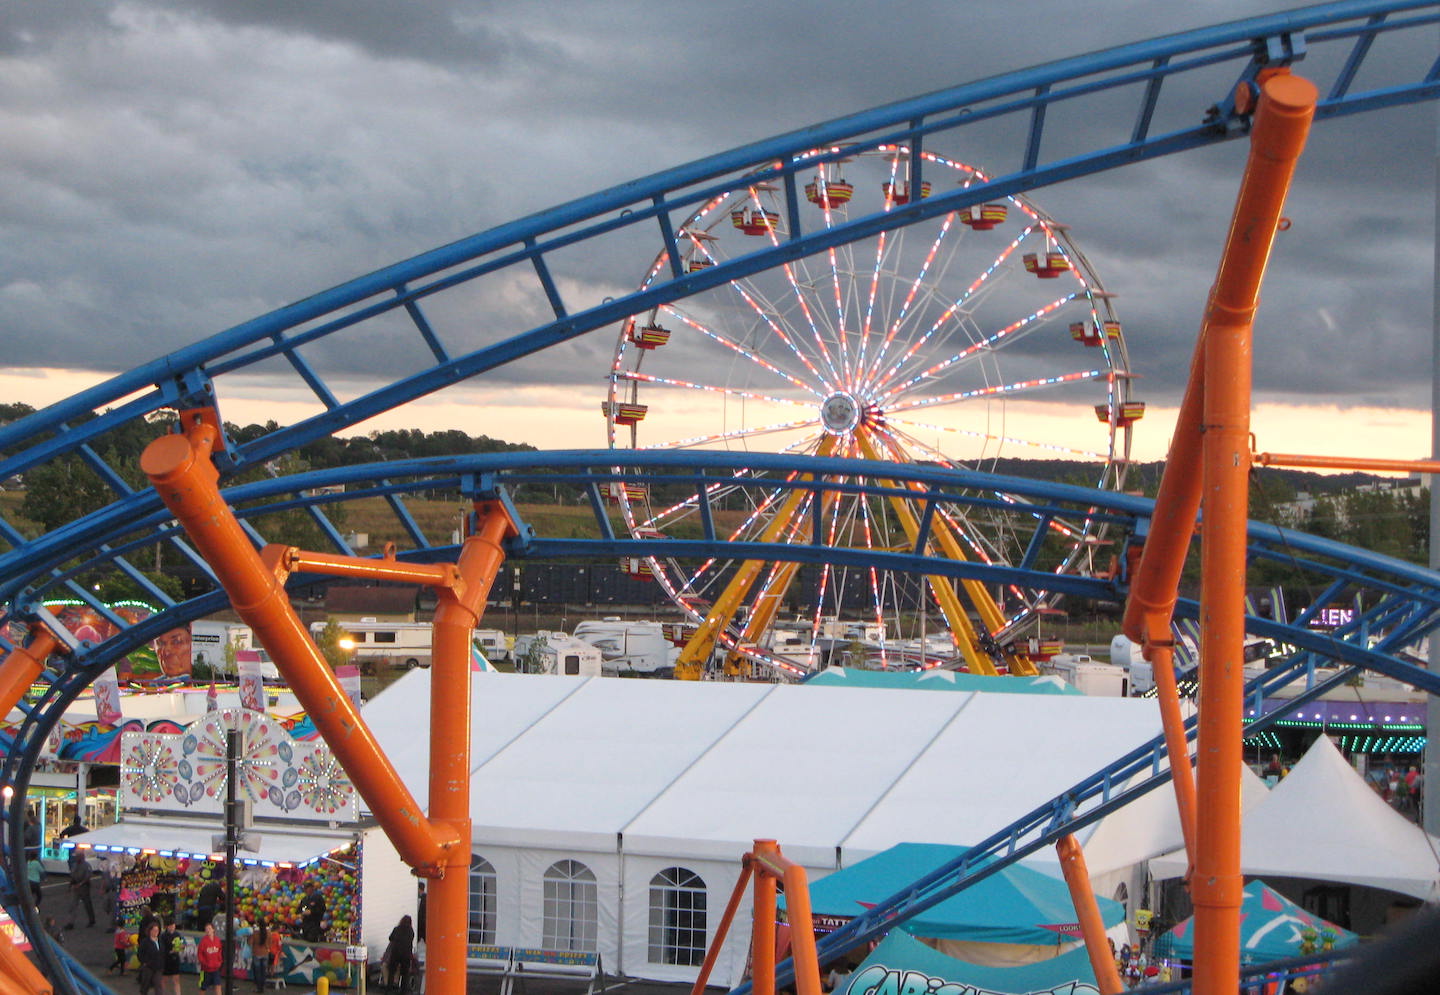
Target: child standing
[122,951]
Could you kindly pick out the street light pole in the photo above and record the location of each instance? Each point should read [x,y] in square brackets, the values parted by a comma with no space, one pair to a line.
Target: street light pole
[232,844]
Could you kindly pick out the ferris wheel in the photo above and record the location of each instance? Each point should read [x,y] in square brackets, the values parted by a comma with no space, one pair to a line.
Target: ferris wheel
[957,341]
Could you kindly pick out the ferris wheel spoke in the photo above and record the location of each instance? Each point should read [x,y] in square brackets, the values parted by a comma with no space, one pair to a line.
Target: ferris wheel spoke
[750,354]
[966,299]
[913,292]
[635,376]
[909,428]
[1033,385]
[1014,331]
[738,434]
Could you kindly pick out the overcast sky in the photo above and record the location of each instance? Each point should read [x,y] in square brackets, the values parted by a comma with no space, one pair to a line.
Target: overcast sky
[169,169]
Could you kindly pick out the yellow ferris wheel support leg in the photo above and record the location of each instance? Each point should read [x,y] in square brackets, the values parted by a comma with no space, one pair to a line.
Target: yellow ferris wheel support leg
[989,612]
[690,664]
[950,604]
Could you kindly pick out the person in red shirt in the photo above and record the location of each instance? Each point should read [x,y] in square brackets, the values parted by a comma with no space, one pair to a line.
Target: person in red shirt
[211,955]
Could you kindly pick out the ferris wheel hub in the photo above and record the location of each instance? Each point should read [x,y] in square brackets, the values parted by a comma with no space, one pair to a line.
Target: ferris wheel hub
[841,413]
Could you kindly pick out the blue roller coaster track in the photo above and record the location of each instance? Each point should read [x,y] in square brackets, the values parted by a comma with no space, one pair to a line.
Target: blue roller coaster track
[1399,601]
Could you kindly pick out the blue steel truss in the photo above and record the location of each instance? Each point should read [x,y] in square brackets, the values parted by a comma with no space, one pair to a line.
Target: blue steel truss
[1399,600]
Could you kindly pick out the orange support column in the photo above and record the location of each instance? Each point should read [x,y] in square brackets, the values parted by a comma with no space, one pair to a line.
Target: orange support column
[1281,125]
[460,607]
[762,937]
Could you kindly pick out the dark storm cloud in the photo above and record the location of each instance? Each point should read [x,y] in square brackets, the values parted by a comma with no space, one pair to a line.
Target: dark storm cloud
[173,167]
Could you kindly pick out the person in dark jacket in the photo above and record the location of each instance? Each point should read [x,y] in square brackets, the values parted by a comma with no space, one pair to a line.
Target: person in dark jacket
[152,962]
[312,913]
[402,953]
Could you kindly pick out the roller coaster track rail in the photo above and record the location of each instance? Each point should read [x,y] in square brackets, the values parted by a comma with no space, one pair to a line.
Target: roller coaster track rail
[1339,39]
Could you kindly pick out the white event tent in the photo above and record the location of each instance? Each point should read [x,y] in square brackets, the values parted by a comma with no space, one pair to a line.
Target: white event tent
[608,813]
[1323,822]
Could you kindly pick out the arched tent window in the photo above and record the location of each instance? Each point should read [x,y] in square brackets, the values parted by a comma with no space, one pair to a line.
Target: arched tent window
[572,908]
[677,918]
[482,901]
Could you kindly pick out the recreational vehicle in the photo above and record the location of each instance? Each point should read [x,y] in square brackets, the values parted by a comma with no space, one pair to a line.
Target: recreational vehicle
[546,652]
[398,644]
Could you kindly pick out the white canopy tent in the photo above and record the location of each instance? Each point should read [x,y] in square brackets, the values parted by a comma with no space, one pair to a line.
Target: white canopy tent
[605,789]
[1323,822]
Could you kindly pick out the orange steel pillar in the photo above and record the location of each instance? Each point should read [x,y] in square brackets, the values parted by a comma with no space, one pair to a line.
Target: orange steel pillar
[771,866]
[460,607]
[762,937]
[1282,122]
[22,665]
[1092,926]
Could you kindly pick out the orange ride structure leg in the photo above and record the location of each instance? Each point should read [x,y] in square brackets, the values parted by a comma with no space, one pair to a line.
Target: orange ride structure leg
[437,845]
[772,871]
[1212,435]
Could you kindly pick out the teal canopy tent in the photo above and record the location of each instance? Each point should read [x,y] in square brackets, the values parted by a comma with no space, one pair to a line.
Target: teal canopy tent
[1014,905]
[1271,928]
[903,964]
[938,680]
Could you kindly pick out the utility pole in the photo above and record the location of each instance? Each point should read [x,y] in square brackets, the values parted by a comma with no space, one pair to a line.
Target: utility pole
[1431,768]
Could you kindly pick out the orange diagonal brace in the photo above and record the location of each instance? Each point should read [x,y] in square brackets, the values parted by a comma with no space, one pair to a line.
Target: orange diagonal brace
[179,466]
[17,975]
[1092,926]
[23,664]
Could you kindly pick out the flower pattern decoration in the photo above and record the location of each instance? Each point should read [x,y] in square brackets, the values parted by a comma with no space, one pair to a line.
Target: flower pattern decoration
[323,784]
[150,768]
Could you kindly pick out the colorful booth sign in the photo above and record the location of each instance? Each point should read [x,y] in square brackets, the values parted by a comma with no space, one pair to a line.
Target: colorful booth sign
[902,964]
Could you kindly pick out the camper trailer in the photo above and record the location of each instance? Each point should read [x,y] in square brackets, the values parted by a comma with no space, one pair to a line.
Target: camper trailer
[493,643]
[547,652]
[398,644]
[639,649]
[1089,675]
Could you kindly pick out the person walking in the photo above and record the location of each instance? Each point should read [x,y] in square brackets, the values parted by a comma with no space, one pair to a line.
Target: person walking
[402,951]
[152,962]
[171,945]
[259,953]
[35,872]
[210,954]
[121,944]
[80,889]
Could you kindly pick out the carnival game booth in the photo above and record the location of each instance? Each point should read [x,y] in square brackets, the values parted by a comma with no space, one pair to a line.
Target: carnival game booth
[1271,928]
[305,829]
[610,816]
